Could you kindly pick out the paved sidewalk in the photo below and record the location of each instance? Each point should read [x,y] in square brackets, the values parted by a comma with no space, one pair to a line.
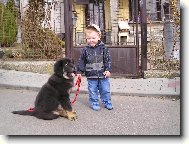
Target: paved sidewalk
[121,86]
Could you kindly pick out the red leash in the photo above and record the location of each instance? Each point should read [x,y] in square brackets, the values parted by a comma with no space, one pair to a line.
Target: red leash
[78,82]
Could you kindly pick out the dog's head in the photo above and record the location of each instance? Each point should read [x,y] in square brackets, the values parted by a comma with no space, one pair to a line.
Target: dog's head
[65,68]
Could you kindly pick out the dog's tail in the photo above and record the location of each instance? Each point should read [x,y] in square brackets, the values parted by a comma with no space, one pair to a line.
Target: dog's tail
[40,115]
[29,112]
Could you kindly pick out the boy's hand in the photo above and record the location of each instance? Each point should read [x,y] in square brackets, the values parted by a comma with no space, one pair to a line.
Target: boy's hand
[106,74]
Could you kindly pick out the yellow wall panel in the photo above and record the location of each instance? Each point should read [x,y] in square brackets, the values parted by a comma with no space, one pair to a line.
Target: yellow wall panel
[107,15]
[123,9]
[80,23]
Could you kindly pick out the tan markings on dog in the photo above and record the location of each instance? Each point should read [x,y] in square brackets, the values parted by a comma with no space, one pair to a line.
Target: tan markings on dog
[56,112]
[63,113]
[71,115]
[65,75]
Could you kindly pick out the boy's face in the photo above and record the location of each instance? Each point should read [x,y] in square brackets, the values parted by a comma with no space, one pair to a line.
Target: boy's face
[92,37]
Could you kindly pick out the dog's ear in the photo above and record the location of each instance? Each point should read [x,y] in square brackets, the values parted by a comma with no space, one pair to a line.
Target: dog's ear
[58,67]
[70,60]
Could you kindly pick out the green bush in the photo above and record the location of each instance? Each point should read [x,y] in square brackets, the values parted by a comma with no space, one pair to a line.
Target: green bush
[8,27]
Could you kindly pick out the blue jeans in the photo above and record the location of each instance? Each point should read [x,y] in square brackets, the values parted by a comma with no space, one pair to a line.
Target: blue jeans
[99,87]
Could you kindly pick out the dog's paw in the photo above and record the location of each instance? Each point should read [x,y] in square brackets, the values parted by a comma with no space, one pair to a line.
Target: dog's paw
[71,115]
[63,113]
[67,114]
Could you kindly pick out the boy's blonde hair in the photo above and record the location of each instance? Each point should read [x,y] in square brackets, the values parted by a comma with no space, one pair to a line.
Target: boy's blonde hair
[94,27]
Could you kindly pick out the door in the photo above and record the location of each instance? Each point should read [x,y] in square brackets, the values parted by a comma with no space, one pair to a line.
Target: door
[112,16]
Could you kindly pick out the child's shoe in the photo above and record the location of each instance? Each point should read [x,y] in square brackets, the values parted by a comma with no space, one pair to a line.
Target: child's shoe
[95,106]
[108,105]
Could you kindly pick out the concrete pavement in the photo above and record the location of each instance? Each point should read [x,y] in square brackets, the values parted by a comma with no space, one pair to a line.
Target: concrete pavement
[132,115]
[121,86]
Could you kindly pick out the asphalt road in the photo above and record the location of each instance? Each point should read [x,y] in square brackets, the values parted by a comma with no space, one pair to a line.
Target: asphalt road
[132,115]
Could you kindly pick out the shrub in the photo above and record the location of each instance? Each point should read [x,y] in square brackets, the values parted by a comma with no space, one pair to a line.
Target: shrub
[8,27]
[40,42]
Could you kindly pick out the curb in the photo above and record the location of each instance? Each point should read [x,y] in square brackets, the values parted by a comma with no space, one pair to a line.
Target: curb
[162,95]
[46,67]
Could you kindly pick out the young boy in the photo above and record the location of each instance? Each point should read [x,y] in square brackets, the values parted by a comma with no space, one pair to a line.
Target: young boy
[95,62]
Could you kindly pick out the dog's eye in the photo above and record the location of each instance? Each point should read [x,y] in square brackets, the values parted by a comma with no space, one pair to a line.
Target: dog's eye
[66,64]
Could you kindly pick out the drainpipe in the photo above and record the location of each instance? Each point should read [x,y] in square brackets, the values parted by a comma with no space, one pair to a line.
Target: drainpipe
[114,20]
[143,36]
[68,28]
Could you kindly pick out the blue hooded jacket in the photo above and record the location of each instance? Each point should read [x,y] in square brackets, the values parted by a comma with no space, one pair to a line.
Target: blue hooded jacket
[94,61]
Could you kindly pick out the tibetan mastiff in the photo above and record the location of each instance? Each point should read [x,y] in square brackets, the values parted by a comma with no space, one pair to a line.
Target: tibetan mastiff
[53,99]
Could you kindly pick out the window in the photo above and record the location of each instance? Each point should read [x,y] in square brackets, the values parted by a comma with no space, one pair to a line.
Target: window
[158,8]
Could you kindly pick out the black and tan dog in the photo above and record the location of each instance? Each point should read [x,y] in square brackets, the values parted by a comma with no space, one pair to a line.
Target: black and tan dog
[53,100]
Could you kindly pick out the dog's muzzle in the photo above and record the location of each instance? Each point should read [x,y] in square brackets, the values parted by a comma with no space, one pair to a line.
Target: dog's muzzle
[69,72]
